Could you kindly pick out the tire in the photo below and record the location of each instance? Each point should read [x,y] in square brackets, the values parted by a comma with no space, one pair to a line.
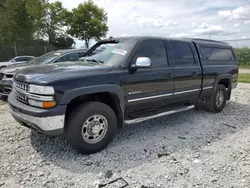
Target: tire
[212,104]
[79,125]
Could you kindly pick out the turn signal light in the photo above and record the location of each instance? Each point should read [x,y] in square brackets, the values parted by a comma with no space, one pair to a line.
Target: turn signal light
[49,104]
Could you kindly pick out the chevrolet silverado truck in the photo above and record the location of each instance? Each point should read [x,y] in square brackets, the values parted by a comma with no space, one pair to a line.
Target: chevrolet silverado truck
[133,80]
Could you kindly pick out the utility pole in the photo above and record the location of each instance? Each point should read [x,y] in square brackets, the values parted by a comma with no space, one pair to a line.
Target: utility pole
[15,48]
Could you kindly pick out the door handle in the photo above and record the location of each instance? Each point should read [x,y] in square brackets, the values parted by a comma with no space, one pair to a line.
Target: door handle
[169,75]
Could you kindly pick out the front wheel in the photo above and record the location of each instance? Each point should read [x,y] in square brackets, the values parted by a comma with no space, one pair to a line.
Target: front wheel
[217,101]
[91,127]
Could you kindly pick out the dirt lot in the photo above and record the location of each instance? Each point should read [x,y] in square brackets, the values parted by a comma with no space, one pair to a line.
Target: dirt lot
[189,149]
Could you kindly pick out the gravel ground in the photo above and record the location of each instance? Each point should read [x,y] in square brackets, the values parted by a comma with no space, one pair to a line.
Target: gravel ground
[189,149]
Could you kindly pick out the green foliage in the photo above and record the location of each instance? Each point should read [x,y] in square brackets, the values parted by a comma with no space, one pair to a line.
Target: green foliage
[245,78]
[24,20]
[246,66]
[63,42]
[53,20]
[27,24]
[18,20]
[87,22]
[242,56]
[34,48]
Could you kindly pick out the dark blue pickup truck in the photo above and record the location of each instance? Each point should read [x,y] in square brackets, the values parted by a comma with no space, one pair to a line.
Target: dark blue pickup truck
[132,80]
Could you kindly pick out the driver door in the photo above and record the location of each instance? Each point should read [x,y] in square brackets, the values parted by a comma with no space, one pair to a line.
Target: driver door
[150,87]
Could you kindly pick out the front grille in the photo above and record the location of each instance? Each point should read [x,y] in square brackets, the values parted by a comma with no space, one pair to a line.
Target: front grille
[9,75]
[21,85]
[20,90]
[21,97]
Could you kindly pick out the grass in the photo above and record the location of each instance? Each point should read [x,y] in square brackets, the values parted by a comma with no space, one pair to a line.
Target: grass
[244,78]
[244,66]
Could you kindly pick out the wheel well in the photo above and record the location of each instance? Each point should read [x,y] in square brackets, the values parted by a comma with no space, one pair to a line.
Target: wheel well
[107,98]
[225,82]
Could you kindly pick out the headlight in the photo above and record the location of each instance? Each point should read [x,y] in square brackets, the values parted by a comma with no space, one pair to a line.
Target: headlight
[43,90]
[44,99]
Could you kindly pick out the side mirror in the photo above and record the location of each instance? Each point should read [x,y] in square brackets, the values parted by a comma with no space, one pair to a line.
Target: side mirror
[142,62]
[13,61]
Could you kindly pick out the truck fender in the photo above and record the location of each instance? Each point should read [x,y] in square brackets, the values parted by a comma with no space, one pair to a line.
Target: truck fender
[111,88]
[223,76]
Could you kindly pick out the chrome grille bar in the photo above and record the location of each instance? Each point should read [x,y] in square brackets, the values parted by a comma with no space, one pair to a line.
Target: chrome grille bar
[24,95]
[20,85]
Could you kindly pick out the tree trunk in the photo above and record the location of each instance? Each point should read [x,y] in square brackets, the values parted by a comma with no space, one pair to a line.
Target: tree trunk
[87,43]
[51,36]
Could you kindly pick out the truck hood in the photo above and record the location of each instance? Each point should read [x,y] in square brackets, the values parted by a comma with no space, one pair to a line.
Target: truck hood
[44,74]
[12,69]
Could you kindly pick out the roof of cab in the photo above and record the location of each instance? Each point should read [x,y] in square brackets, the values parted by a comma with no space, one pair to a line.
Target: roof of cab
[196,40]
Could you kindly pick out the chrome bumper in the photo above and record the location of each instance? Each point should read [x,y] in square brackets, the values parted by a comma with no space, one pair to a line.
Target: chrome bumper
[52,125]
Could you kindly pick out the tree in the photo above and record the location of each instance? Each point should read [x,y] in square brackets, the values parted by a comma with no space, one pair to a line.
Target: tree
[242,56]
[87,22]
[53,20]
[64,42]
[18,20]
[1,3]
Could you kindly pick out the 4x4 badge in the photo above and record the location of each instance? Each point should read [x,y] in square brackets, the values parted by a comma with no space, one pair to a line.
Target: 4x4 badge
[134,92]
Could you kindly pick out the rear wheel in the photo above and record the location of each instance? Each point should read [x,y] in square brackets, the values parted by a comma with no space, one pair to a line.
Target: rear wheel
[91,127]
[217,101]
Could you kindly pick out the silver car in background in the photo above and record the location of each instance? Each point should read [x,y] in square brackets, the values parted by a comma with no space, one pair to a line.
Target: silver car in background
[16,60]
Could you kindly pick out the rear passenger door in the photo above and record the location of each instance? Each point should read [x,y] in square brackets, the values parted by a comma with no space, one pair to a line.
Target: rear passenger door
[187,72]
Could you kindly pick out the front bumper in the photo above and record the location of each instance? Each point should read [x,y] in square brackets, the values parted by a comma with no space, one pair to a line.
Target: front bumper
[47,121]
[5,87]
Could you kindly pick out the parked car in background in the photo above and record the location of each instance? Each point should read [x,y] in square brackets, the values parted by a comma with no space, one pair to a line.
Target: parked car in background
[136,79]
[7,73]
[16,60]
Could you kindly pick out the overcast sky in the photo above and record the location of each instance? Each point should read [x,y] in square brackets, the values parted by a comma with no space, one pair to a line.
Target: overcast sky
[224,19]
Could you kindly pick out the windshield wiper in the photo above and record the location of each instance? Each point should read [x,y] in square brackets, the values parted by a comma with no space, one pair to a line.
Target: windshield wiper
[95,61]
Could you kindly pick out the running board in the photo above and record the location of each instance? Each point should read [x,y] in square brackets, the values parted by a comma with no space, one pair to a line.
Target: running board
[138,120]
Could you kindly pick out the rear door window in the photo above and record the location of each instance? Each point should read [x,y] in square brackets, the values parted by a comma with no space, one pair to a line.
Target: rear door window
[18,59]
[28,58]
[182,54]
[221,54]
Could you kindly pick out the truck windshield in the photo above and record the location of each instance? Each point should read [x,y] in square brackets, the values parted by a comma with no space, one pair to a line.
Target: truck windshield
[44,59]
[113,54]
